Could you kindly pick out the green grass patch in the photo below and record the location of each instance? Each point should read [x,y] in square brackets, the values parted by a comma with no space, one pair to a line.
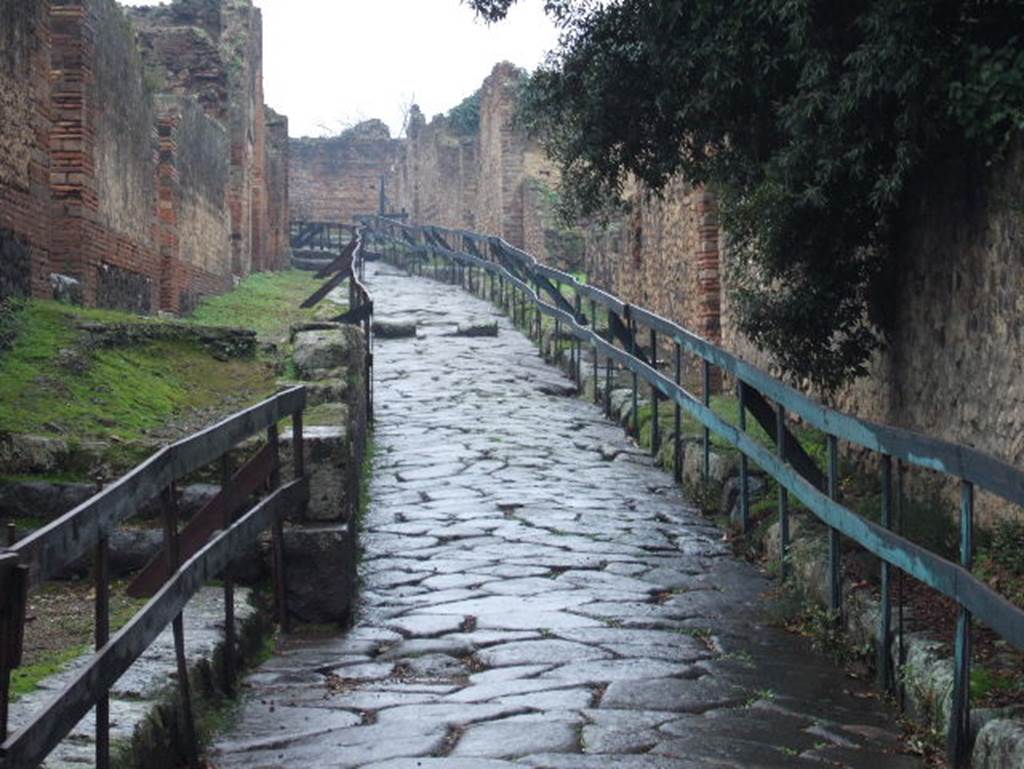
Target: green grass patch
[266,302]
[25,679]
[110,393]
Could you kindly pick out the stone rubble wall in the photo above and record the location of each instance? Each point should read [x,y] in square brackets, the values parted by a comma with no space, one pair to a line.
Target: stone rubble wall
[494,180]
[104,179]
[337,178]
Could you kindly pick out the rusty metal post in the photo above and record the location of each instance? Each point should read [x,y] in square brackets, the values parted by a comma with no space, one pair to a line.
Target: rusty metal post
[169,504]
[277,536]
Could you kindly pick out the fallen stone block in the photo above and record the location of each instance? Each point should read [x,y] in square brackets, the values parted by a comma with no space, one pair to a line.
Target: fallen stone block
[393,329]
[320,572]
[477,329]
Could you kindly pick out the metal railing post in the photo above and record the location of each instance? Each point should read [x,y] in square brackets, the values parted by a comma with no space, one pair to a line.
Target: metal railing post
[706,433]
[277,536]
[593,327]
[655,426]
[677,454]
[960,708]
[741,396]
[884,663]
[780,445]
[835,566]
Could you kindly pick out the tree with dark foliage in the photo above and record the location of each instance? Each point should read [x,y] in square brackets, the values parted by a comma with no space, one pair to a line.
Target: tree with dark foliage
[810,119]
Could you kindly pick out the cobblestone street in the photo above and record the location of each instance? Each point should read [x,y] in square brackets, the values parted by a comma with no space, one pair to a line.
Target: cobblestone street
[535,593]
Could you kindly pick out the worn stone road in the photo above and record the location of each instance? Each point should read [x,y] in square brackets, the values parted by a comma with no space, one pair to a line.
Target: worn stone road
[536,594]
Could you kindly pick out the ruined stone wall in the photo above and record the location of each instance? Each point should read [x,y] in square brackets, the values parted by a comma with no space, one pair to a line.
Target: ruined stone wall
[663,255]
[493,180]
[278,223]
[24,139]
[437,176]
[335,179]
[103,158]
[194,222]
[98,183]
[212,50]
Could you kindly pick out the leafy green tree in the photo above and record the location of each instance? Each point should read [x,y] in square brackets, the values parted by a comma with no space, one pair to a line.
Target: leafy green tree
[811,119]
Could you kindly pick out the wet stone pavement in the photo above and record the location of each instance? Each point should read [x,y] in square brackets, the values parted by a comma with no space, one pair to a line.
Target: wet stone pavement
[535,593]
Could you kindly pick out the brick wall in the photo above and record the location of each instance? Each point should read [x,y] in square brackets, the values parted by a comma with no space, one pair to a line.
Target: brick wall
[24,139]
[334,179]
[278,247]
[212,50]
[103,157]
[151,208]
[194,225]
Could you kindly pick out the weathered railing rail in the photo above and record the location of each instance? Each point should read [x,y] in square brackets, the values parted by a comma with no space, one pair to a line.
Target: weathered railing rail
[351,264]
[521,285]
[317,235]
[220,535]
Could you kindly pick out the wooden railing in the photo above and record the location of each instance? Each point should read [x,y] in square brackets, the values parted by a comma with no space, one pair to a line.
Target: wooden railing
[350,264]
[203,550]
[527,290]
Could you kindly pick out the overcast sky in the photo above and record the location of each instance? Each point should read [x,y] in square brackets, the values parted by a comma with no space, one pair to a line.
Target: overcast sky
[329,64]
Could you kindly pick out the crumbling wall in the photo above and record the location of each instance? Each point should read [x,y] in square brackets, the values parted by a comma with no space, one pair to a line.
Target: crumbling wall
[212,50]
[24,157]
[337,178]
[278,224]
[193,182]
[103,158]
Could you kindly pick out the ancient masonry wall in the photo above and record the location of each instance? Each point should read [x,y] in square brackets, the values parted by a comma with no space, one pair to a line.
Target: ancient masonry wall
[278,245]
[128,138]
[335,179]
[103,155]
[493,180]
[194,223]
[24,157]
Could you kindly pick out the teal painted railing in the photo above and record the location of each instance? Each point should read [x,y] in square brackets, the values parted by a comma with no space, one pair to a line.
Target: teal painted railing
[519,282]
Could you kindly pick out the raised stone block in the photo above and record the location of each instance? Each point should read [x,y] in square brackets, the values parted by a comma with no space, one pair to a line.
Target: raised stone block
[330,464]
[320,569]
[326,349]
[393,329]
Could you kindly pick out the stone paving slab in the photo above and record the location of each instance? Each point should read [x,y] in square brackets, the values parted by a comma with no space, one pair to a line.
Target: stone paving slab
[535,593]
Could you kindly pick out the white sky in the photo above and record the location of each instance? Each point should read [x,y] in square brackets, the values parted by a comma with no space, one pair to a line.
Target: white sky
[329,64]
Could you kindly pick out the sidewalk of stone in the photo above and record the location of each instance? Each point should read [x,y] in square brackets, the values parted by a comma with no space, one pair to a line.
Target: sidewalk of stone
[142,686]
[532,599]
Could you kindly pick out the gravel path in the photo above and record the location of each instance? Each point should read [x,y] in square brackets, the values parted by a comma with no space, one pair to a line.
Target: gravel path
[535,593]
